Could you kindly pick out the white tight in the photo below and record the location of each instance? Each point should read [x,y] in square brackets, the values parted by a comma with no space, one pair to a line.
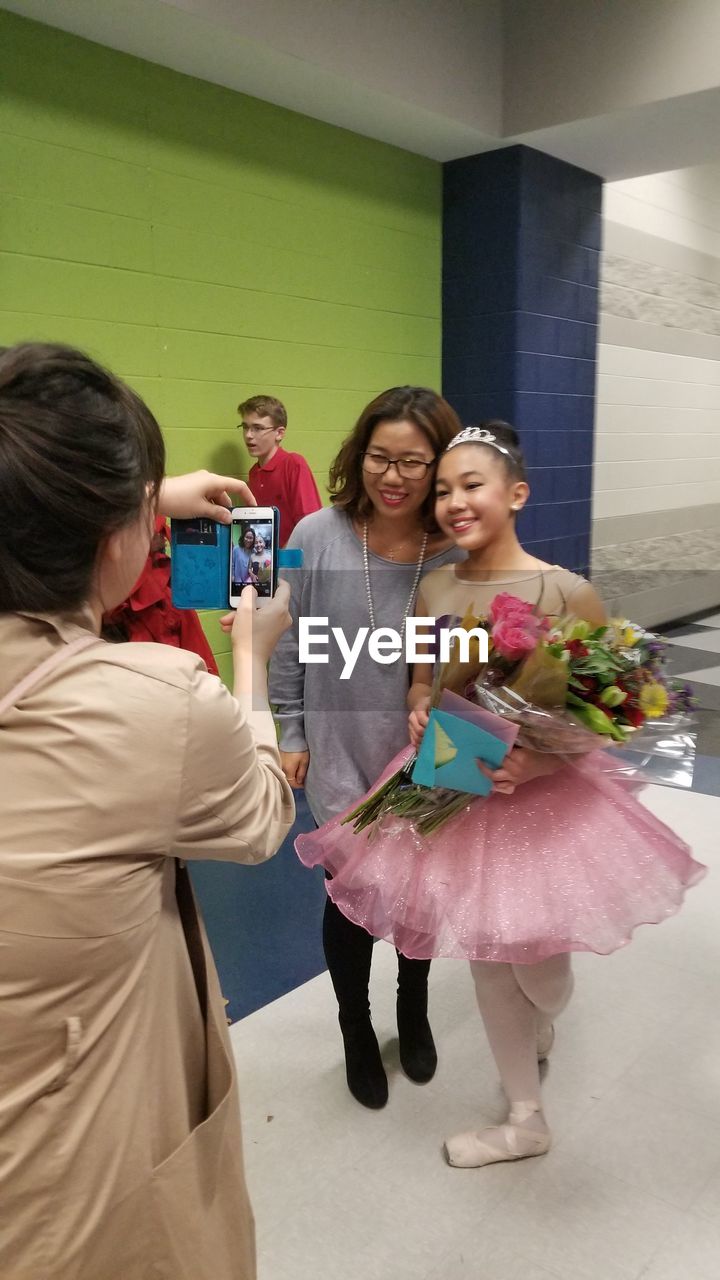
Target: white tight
[516,1002]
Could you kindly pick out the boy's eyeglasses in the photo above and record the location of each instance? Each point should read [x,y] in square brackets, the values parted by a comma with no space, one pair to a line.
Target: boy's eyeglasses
[376,464]
[255,431]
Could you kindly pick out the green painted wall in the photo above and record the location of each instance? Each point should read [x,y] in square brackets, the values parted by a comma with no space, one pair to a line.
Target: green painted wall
[209,246]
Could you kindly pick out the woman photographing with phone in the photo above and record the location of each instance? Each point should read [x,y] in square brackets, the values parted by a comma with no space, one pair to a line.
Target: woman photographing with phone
[120,1144]
[362,563]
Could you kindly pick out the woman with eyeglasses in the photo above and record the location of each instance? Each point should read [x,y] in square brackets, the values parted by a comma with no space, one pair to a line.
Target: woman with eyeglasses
[242,555]
[363,558]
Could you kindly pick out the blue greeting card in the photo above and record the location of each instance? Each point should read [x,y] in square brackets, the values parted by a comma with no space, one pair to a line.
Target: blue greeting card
[449,751]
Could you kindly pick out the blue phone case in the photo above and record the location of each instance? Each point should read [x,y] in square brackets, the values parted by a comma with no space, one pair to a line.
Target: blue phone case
[200,564]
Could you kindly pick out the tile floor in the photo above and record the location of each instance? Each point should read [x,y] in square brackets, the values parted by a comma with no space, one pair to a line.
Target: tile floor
[631,1187]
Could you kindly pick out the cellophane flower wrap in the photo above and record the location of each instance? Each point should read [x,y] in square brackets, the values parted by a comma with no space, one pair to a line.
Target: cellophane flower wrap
[578,687]
[568,686]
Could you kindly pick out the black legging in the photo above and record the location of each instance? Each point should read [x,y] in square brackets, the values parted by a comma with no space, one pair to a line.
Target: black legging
[348,951]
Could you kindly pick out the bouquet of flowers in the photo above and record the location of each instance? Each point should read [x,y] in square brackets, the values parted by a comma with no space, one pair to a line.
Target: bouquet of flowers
[566,684]
[568,687]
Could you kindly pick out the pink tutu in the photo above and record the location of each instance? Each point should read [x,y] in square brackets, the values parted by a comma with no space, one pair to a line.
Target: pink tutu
[570,862]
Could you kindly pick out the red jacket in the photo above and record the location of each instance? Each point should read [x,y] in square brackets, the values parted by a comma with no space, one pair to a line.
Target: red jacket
[149,613]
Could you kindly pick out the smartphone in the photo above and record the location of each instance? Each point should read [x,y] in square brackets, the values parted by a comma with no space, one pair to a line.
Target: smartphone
[254,539]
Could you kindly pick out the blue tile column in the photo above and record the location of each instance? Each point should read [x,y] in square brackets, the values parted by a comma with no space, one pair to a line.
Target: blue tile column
[521,248]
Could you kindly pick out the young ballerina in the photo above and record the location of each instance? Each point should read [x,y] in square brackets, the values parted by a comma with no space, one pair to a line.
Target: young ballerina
[559,858]
[261,564]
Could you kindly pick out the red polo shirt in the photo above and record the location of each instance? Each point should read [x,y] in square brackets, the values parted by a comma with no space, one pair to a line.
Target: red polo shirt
[285,482]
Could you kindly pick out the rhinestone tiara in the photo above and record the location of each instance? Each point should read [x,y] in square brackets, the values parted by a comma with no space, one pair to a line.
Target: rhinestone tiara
[478,435]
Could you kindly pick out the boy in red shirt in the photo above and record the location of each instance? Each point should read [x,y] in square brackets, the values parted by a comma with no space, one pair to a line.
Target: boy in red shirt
[278,479]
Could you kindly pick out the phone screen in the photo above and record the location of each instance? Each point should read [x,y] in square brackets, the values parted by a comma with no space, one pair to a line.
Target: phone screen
[252,555]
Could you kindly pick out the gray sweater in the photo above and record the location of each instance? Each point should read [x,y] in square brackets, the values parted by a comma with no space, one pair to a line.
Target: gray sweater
[351,727]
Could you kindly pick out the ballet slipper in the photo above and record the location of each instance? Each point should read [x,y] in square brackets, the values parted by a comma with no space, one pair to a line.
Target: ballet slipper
[545,1042]
[512,1141]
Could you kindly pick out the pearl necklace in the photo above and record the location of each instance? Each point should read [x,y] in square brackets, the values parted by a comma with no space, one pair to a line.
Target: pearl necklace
[413,589]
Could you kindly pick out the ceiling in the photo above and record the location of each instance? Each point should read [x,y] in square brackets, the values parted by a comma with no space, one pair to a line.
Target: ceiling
[618,89]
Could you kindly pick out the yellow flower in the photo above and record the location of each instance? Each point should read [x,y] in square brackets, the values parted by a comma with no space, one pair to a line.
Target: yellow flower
[627,636]
[653,700]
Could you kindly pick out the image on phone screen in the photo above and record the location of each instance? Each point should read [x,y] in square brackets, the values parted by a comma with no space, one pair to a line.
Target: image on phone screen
[251,556]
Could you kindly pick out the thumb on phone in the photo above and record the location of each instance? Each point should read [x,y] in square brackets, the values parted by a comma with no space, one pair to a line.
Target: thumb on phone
[256,629]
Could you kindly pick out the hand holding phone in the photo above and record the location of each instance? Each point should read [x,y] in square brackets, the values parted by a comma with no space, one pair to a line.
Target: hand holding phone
[255,630]
[201,493]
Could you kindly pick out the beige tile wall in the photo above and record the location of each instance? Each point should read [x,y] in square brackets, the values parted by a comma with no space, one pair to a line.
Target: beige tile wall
[656,500]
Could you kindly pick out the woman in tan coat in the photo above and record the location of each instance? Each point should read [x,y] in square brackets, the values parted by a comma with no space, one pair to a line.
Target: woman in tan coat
[120,1146]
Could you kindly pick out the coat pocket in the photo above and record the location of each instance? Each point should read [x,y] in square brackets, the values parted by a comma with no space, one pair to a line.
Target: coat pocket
[73,1038]
[202,1220]
[42,1060]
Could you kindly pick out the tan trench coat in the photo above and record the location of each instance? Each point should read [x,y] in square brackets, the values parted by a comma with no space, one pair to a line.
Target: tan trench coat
[120,1144]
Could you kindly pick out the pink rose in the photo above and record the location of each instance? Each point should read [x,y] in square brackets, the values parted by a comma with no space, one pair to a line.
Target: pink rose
[514,641]
[505,607]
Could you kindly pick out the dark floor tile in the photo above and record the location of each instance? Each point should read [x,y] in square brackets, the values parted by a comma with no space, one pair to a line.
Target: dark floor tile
[708,733]
[706,777]
[680,659]
[687,629]
[264,923]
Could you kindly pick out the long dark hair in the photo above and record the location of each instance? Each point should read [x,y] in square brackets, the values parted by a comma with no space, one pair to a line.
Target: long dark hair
[435,418]
[81,456]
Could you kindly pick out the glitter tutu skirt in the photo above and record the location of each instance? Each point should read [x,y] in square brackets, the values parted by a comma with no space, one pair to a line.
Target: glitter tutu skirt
[570,862]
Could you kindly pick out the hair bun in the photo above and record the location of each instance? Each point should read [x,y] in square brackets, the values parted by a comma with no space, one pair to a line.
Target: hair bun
[503,432]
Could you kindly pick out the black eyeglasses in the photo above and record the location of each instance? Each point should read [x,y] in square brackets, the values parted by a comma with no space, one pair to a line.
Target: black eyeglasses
[376,464]
[254,431]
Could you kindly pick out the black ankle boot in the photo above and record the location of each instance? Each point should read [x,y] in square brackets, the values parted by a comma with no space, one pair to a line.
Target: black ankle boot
[365,1072]
[418,1056]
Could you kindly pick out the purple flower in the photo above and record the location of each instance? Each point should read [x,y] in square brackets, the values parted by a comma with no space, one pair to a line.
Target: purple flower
[683,696]
[656,648]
